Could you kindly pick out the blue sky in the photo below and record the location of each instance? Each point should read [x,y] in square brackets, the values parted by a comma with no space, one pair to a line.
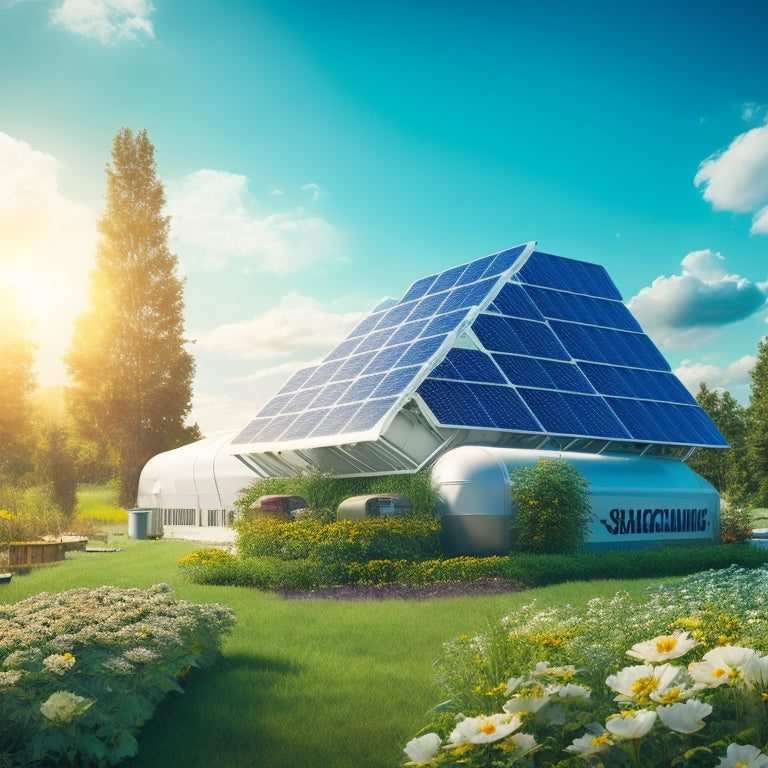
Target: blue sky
[318,158]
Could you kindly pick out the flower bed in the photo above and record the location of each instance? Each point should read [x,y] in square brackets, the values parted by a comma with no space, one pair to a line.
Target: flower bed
[81,671]
[559,687]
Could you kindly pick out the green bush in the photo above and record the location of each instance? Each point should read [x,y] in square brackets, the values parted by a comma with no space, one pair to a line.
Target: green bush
[525,570]
[323,494]
[27,514]
[551,509]
[81,671]
[735,523]
[347,541]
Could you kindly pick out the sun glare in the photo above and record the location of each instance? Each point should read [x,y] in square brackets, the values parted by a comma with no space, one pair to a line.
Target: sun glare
[34,290]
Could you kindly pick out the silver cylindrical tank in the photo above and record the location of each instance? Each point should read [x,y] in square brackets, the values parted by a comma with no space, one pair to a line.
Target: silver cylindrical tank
[636,501]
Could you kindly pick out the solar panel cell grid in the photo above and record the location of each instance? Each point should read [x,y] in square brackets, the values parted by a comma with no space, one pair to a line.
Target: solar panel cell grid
[370,414]
[419,288]
[395,381]
[558,331]
[447,279]
[513,301]
[421,351]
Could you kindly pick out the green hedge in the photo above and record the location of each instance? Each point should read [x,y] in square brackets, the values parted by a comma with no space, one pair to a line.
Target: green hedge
[388,538]
[208,566]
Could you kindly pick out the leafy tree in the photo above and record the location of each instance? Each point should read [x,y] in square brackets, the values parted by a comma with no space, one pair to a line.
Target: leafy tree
[131,374]
[19,382]
[757,426]
[725,469]
[552,510]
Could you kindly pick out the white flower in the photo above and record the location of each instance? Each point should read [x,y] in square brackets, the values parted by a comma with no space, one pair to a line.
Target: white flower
[684,717]
[663,648]
[63,707]
[726,664]
[423,748]
[743,756]
[591,743]
[638,683]
[631,724]
[484,729]
[59,663]
[512,684]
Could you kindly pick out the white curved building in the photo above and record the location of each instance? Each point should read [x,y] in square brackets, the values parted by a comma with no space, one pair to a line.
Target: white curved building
[194,486]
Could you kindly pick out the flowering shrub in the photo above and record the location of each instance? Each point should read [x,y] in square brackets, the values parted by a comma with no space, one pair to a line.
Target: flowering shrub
[347,541]
[559,682]
[552,508]
[270,572]
[82,671]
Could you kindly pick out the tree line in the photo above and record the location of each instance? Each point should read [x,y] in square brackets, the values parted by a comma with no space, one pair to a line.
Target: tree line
[130,372]
[739,474]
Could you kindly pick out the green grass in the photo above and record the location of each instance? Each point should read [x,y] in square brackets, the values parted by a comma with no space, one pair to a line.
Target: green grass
[99,503]
[302,683]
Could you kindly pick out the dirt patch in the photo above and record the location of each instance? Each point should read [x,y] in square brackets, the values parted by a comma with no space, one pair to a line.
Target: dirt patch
[441,589]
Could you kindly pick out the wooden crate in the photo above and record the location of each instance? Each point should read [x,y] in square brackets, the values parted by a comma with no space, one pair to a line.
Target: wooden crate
[25,553]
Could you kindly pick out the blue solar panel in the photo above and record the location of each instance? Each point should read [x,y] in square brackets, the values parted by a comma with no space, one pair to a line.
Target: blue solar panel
[396,381]
[275,405]
[468,365]
[427,307]
[396,315]
[475,270]
[408,332]
[503,261]
[322,374]
[353,366]
[557,353]
[366,325]
[369,414]
[386,359]
[330,394]
[571,414]
[568,275]
[549,374]
[515,302]
[360,389]
[300,400]
[294,383]
[420,351]
[444,323]
[454,404]
[447,279]
[419,288]
[505,408]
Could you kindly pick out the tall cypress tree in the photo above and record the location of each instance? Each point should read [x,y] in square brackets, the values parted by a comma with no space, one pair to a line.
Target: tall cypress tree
[130,374]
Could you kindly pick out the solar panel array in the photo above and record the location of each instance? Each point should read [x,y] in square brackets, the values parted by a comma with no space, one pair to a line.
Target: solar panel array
[551,350]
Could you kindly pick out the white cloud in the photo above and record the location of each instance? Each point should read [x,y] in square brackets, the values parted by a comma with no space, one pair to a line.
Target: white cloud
[106,20]
[298,326]
[736,178]
[733,376]
[46,249]
[315,189]
[683,310]
[214,218]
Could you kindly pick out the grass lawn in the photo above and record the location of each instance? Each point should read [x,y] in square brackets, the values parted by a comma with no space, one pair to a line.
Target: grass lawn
[303,683]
